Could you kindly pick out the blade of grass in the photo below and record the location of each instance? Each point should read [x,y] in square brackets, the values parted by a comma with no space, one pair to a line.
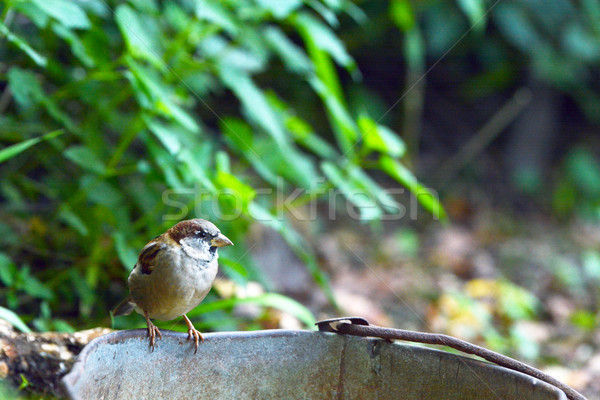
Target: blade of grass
[40,60]
[12,151]
[273,300]
[14,320]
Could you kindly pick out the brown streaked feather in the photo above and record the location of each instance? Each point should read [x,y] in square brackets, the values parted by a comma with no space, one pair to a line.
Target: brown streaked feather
[147,256]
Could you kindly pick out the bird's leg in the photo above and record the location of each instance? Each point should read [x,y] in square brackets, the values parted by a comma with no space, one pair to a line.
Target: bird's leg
[152,331]
[193,332]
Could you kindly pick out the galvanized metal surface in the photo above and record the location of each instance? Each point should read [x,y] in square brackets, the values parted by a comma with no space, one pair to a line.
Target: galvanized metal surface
[279,364]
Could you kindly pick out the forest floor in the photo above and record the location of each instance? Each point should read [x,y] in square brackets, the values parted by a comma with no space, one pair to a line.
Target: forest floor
[527,286]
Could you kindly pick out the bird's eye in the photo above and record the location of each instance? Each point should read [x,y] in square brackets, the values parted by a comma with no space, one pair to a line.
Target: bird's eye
[201,234]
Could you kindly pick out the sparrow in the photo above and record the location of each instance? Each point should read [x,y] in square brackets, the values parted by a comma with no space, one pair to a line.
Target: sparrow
[173,274]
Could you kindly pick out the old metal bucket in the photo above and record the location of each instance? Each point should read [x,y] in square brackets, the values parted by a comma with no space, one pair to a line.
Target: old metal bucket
[281,364]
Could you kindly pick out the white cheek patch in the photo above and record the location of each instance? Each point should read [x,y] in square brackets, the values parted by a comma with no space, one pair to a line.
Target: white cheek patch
[197,249]
[195,252]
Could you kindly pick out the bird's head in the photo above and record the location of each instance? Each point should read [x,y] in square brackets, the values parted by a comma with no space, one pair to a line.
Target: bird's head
[199,238]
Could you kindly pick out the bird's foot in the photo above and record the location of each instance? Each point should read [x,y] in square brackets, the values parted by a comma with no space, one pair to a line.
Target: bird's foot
[152,333]
[193,333]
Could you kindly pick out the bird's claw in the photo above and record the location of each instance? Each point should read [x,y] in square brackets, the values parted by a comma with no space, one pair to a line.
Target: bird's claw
[152,333]
[194,333]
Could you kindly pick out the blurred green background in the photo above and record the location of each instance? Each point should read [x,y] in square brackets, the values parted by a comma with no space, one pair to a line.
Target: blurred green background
[119,118]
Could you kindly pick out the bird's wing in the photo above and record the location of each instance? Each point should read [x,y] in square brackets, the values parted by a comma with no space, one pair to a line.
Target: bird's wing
[147,259]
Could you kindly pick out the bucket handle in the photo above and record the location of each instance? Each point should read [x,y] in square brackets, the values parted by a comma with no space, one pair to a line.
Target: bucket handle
[358,326]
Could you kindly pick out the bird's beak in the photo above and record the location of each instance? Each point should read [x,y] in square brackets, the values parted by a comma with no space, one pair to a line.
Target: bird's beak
[221,241]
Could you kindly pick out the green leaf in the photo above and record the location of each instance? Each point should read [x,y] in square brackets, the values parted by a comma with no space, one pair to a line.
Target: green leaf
[254,102]
[11,151]
[85,158]
[126,253]
[583,169]
[178,114]
[167,134]
[239,133]
[414,50]
[96,7]
[40,60]
[363,181]
[66,12]
[197,160]
[280,8]
[354,193]
[354,11]
[214,12]
[325,39]
[324,11]
[165,163]
[326,73]
[240,137]
[69,217]
[60,325]
[233,267]
[289,163]
[31,10]
[25,87]
[7,270]
[300,129]
[222,162]
[304,135]
[13,319]
[77,47]
[32,286]
[580,43]
[283,159]
[475,11]
[294,58]
[145,6]
[141,35]
[379,138]
[346,131]
[326,82]
[154,94]
[101,192]
[401,12]
[24,382]
[272,300]
[286,304]
[234,191]
[513,22]
[405,177]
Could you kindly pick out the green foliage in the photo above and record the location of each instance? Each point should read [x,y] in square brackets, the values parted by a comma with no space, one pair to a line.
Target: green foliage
[273,300]
[159,111]
[11,151]
[578,188]
[13,319]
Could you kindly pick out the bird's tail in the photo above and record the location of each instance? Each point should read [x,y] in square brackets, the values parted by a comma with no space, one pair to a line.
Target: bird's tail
[125,307]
